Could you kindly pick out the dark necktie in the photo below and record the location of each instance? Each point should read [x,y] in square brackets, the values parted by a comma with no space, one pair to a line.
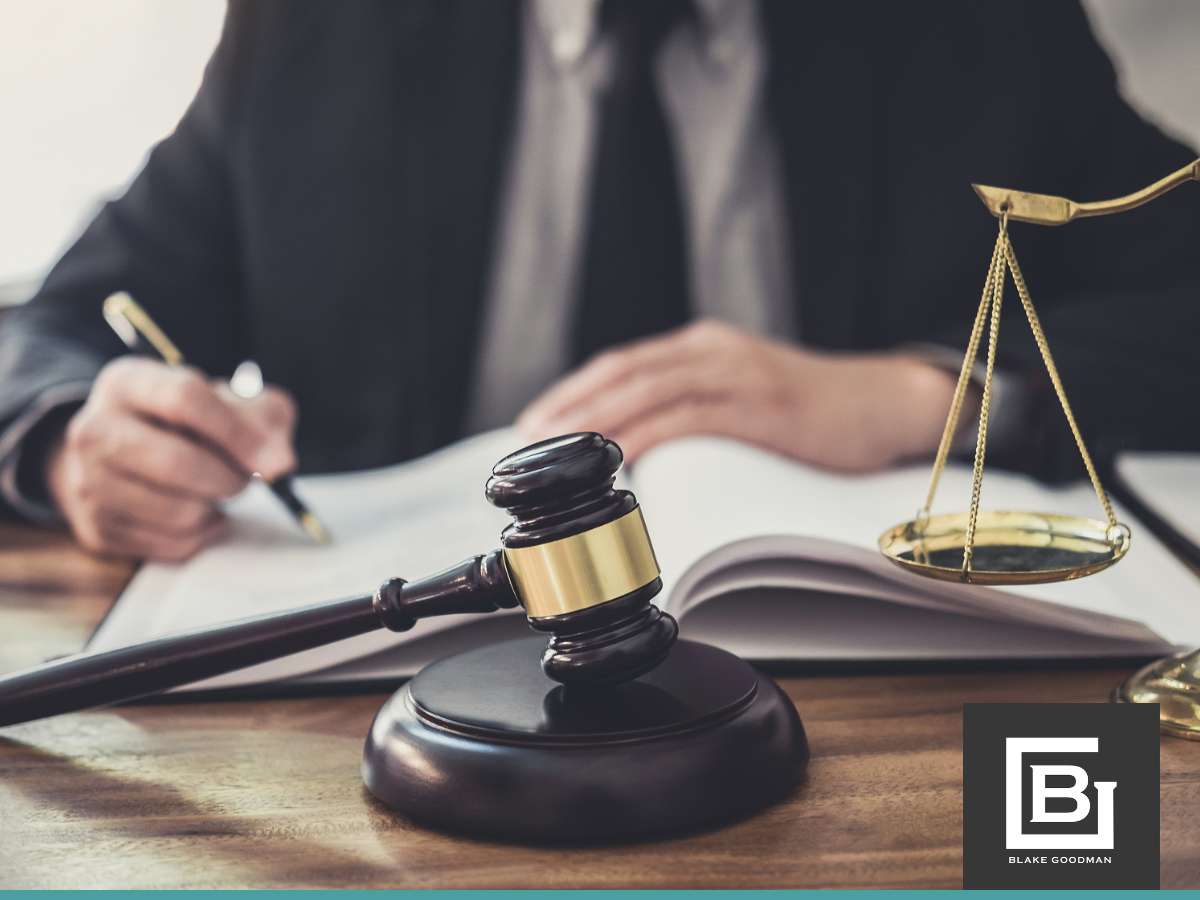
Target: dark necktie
[634,274]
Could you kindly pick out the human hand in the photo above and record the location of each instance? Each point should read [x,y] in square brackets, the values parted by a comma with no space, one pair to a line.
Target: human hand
[852,412]
[140,467]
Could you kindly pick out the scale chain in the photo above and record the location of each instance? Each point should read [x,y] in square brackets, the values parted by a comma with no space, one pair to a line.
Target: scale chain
[960,389]
[985,405]
[1052,370]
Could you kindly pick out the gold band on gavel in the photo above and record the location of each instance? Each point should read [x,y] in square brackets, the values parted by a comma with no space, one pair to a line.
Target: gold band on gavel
[585,569]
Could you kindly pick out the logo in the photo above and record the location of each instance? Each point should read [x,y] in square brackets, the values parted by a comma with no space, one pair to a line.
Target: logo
[1014,816]
[1060,795]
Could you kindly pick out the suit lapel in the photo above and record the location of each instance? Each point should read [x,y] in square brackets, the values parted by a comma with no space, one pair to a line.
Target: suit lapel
[821,102]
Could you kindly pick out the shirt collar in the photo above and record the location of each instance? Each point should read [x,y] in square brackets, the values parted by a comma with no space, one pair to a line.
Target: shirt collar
[569,28]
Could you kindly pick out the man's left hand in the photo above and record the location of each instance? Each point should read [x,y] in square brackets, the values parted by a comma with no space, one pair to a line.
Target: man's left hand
[852,412]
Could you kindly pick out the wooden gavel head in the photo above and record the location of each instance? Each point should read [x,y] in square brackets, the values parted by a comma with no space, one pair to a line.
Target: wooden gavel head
[580,560]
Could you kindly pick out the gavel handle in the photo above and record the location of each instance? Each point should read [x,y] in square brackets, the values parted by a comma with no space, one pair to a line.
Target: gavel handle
[479,584]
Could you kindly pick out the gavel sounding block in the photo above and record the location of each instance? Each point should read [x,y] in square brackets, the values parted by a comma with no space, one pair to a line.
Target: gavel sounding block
[483,743]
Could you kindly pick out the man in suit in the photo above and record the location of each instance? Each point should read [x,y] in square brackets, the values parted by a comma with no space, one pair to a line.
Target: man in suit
[427,218]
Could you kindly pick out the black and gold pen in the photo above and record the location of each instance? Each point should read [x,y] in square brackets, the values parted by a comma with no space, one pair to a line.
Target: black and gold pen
[141,334]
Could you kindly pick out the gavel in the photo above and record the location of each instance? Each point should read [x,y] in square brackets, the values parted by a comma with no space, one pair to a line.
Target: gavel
[576,556]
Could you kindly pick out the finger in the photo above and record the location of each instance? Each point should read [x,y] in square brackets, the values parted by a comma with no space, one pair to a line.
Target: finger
[647,393]
[171,512]
[130,538]
[276,408]
[181,397]
[610,368]
[167,460]
[273,411]
[687,419]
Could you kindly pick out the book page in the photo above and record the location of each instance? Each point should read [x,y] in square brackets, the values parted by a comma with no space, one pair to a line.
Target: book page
[770,625]
[408,520]
[702,494]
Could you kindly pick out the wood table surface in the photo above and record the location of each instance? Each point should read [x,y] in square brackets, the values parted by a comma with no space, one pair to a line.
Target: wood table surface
[267,794]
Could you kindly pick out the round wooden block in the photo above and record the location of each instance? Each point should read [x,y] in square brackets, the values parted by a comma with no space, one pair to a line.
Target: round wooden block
[484,743]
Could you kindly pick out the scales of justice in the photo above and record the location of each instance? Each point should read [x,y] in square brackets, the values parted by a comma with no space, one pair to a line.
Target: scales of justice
[1013,547]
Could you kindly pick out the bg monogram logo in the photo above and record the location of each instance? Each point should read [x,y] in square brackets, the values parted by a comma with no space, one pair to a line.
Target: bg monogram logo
[1060,795]
[1014,813]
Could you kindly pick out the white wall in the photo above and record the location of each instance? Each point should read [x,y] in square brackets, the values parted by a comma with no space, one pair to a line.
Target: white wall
[1156,46]
[86,86]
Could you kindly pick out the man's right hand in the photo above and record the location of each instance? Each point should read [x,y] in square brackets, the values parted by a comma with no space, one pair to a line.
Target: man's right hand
[141,466]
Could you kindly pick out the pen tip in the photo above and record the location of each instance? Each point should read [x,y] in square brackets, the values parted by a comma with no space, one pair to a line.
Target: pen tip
[315,529]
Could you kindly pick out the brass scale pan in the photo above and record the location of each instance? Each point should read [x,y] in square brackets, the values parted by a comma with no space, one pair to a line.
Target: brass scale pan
[1010,547]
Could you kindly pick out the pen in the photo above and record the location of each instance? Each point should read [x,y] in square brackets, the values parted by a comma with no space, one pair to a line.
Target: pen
[141,334]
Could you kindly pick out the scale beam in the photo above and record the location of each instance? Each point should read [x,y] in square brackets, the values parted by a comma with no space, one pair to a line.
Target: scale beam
[1046,209]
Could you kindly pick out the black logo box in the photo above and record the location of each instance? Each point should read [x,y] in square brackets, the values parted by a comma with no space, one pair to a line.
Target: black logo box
[1128,748]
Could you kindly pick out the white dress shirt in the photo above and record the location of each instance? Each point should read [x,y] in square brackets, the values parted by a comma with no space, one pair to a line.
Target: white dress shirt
[711,75]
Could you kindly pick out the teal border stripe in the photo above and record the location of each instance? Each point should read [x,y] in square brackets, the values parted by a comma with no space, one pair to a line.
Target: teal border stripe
[600,895]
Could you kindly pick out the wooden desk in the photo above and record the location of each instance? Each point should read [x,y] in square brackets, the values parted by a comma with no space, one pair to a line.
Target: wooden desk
[267,794]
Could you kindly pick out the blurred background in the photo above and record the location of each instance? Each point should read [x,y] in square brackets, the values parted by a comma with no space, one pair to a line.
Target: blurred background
[86,88]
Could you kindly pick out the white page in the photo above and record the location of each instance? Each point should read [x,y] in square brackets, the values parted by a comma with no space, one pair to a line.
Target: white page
[1168,483]
[700,494]
[408,520]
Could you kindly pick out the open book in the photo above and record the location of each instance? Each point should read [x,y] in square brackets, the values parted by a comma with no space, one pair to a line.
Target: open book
[767,558]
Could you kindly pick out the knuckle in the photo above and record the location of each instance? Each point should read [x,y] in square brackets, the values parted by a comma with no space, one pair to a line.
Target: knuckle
[171,459]
[114,374]
[280,406]
[188,516]
[644,388]
[692,411]
[221,484]
[189,389]
[83,431]
[610,363]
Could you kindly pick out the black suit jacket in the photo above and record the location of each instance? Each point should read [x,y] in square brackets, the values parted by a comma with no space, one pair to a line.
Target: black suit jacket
[327,206]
